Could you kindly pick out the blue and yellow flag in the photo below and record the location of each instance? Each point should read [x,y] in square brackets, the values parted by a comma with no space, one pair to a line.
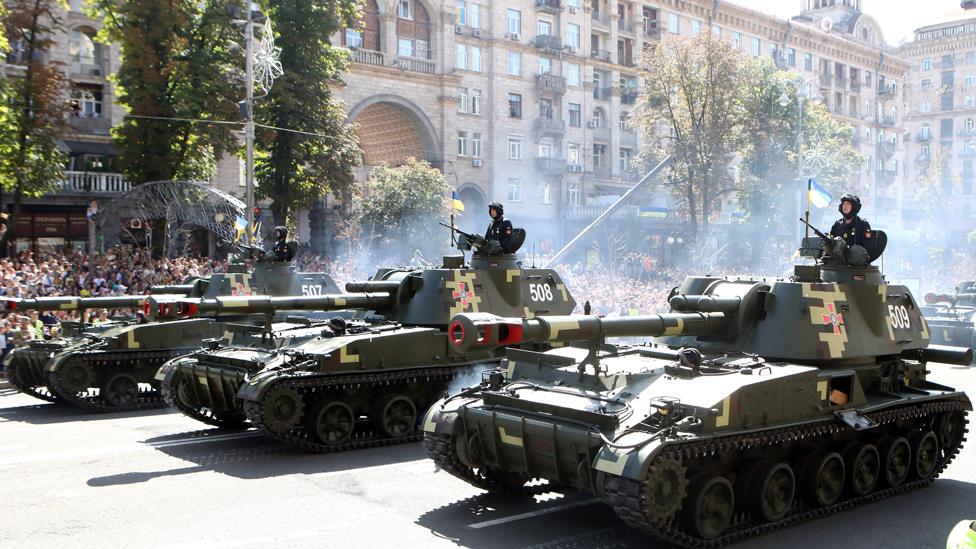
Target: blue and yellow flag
[456,201]
[240,228]
[817,195]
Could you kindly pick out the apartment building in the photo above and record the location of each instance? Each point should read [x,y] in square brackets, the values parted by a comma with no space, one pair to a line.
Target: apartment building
[941,111]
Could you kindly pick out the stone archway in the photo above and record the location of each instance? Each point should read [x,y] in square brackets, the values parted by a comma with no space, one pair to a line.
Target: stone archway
[475,216]
[391,129]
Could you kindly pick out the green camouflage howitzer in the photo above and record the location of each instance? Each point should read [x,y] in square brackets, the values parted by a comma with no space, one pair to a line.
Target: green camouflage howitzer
[762,403]
[111,367]
[952,317]
[332,386]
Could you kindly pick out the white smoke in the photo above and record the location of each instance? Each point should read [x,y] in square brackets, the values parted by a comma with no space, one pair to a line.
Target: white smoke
[468,377]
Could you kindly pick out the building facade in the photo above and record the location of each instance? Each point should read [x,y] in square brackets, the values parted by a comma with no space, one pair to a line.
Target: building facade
[941,111]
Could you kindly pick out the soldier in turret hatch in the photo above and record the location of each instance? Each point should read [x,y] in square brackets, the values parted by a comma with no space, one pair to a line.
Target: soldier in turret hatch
[282,250]
[853,229]
[500,230]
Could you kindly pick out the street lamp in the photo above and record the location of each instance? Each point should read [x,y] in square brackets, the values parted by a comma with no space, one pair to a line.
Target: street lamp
[784,101]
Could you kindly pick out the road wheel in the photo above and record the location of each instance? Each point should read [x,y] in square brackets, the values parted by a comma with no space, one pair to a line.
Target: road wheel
[925,454]
[710,505]
[896,456]
[76,376]
[824,478]
[332,422]
[396,416]
[121,390]
[864,465]
[772,489]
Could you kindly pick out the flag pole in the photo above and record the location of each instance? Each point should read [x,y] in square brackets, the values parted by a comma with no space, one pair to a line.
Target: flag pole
[809,188]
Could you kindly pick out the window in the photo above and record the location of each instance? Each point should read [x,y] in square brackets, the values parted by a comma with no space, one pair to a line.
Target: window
[970,57]
[475,149]
[574,75]
[515,63]
[673,23]
[927,84]
[404,9]
[476,102]
[515,148]
[545,108]
[791,56]
[514,189]
[545,150]
[624,160]
[514,105]
[948,61]
[970,79]
[716,31]
[514,21]
[968,101]
[926,131]
[89,103]
[405,47]
[808,62]
[574,194]
[575,115]
[926,106]
[462,56]
[545,65]
[354,39]
[474,16]
[926,64]
[462,12]
[695,27]
[547,193]
[947,102]
[573,36]
[476,58]
[462,145]
[773,51]
[599,155]
[736,39]
[867,78]
[545,27]
[756,47]
[462,100]
[573,154]
[926,150]
[599,119]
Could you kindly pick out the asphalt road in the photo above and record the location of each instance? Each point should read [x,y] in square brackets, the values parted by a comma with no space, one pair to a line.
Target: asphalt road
[159,479]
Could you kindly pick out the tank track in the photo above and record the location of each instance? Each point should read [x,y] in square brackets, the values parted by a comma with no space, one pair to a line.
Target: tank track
[625,495]
[299,437]
[41,392]
[440,449]
[93,400]
[203,414]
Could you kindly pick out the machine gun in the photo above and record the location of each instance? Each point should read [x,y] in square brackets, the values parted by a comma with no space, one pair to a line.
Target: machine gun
[467,241]
[833,249]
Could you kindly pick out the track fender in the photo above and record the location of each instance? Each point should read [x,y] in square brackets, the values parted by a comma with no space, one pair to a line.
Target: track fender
[629,456]
[255,387]
[444,418]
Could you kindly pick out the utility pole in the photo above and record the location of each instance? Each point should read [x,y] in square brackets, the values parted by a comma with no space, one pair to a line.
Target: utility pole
[249,120]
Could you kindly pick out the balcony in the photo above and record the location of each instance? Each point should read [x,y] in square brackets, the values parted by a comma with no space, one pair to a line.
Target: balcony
[95,182]
[840,82]
[549,165]
[625,26]
[923,159]
[652,32]
[627,135]
[367,57]
[624,60]
[550,83]
[855,86]
[923,137]
[90,125]
[601,133]
[549,6]
[602,93]
[602,172]
[887,176]
[87,66]
[415,64]
[600,19]
[600,55]
[547,43]
[826,79]
[887,121]
[887,148]
[886,92]
[629,97]
[966,132]
[590,213]
[550,126]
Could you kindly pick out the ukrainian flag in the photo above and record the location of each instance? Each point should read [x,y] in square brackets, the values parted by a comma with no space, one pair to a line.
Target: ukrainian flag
[456,201]
[240,225]
[817,195]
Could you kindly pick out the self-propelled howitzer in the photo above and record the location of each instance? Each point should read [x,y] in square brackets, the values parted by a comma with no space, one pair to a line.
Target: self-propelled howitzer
[112,367]
[333,386]
[952,317]
[774,402]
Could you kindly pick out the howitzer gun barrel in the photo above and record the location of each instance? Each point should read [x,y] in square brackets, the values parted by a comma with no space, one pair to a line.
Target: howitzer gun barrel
[262,304]
[705,303]
[477,330]
[964,300]
[73,303]
[945,354]
[370,286]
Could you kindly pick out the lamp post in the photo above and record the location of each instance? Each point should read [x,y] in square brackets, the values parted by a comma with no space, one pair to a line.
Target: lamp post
[784,101]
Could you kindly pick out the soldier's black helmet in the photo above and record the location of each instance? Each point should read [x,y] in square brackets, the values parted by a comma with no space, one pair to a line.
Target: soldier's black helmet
[855,203]
[281,232]
[498,207]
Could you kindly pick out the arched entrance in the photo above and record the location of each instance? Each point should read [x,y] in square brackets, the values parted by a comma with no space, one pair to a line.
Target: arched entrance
[173,217]
[392,129]
[475,216]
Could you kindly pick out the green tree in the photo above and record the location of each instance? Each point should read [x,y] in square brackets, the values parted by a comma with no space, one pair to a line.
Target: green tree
[298,168]
[932,192]
[180,59]
[399,209]
[30,162]
[691,92]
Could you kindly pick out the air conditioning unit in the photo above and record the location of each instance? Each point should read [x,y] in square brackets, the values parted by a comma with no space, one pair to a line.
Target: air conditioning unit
[591,124]
[458,29]
[573,9]
[476,33]
[477,162]
[514,35]
[97,71]
[570,49]
[575,168]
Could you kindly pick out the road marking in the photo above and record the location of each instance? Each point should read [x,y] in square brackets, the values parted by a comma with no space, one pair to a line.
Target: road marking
[532,514]
[198,440]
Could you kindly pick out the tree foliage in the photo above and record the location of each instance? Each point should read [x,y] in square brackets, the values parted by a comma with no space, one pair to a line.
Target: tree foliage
[180,59]
[399,209]
[34,105]
[299,168]
[691,92]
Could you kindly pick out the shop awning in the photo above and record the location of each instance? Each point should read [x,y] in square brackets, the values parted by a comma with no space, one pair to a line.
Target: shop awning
[91,147]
